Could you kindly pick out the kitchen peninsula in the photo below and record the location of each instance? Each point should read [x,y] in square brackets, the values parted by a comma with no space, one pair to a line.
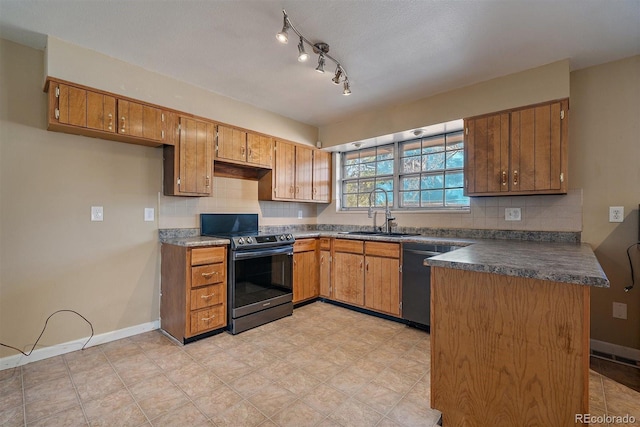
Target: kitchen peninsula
[510,333]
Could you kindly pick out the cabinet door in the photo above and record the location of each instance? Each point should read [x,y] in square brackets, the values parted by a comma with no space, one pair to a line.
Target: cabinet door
[304,173]
[284,170]
[101,112]
[72,105]
[305,276]
[195,162]
[232,144]
[538,155]
[139,120]
[321,176]
[325,274]
[348,278]
[487,154]
[259,150]
[382,284]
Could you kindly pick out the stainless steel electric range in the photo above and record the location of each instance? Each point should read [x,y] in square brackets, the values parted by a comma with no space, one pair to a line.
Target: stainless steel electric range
[260,270]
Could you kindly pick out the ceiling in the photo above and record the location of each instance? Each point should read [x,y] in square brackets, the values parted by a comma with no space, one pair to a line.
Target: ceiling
[394,51]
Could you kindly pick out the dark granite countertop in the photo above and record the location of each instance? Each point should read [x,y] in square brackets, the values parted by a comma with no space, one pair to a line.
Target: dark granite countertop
[559,262]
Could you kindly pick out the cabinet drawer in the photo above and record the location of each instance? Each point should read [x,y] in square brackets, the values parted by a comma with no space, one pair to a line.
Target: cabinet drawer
[208,275]
[304,245]
[201,256]
[351,246]
[207,296]
[388,250]
[207,319]
[325,244]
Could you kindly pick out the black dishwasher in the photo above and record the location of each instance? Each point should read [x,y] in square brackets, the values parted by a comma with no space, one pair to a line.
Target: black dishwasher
[416,281]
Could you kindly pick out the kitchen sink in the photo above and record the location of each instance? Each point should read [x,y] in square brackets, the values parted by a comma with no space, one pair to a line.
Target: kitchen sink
[380,233]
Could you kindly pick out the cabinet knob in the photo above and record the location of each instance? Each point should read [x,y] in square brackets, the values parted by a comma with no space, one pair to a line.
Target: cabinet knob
[504,177]
[515,177]
[122,130]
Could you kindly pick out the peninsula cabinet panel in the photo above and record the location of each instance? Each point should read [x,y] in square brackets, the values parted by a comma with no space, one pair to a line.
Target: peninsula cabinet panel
[508,351]
[518,152]
[188,165]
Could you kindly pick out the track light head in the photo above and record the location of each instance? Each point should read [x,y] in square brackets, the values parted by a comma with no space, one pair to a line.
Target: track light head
[336,78]
[347,90]
[302,55]
[320,67]
[283,36]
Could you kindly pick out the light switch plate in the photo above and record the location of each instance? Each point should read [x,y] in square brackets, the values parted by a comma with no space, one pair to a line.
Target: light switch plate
[512,214]
[149,214]
[97,213]
[619,310]
[616,213]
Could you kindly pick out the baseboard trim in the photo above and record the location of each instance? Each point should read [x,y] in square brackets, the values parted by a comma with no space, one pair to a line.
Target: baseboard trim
[56,350]
[616,351]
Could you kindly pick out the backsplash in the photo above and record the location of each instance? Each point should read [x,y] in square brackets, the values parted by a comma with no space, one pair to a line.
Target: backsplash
[539,213]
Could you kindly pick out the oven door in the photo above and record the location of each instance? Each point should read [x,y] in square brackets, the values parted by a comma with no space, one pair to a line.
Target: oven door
[260,279]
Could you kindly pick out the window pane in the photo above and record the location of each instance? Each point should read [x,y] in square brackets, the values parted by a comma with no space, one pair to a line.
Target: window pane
[351,171]
[432,198]
[455,141]
[363,200]
[433,145]
[385,152]
[351,158]
[433,162]
[410,183]
[455,159]
[366,185]
[454,179]
[368,155]
[431,181]
[410,199]
[350,201]
[367,169]
[349,186]
[385,184]
[385,167]
[456,198]
[411,164]
[410,148]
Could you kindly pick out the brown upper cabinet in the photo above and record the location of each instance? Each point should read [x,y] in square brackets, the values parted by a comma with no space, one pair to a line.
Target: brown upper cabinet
[294,172]
[188,165]
[237,146]
[518,152]
[83,111]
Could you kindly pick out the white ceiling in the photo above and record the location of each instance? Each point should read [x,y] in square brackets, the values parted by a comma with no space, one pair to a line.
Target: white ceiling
[394,51]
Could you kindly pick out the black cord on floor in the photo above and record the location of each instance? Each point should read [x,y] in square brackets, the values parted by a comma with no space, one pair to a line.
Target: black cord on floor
[633,276]
[45,327]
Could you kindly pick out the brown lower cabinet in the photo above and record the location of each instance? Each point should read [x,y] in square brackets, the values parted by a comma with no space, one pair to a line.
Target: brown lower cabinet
[193,290]
[305,270]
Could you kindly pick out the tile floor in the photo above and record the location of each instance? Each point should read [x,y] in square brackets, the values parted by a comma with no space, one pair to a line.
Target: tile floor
[324,366]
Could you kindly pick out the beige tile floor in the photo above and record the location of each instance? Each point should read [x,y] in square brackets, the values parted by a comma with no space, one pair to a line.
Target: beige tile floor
[324,366]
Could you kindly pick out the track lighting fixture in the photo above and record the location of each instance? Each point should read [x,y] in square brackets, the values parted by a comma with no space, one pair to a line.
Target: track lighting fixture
[302,55]
[321,49]
[320,67]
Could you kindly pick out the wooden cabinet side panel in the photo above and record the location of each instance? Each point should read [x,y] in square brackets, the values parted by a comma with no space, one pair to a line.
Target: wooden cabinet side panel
[173,303]
[508,350]
[555,147]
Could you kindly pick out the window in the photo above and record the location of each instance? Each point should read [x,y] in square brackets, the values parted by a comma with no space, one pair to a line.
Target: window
[427,173]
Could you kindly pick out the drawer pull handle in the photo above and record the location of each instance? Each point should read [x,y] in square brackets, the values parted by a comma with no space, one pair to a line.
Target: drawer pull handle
[207,275]
[206,319]
[504,177]
[207,296]
[515,177]
[123,124]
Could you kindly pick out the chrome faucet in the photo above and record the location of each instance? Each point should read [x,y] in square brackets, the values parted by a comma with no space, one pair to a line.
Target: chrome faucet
[387,212]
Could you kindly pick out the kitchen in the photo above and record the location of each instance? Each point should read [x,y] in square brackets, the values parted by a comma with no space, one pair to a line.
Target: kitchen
[53,257]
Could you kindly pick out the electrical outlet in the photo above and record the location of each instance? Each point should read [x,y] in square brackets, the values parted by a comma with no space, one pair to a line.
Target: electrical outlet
[97,214]
[512,214]
[619,310]
[300,214]
[616,213]
[149,214]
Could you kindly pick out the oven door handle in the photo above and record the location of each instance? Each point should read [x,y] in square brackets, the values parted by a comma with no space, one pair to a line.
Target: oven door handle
[260,253]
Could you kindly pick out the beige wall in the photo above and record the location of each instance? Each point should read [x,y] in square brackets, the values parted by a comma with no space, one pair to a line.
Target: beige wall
[539,84]
[51,256]
[604,159]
